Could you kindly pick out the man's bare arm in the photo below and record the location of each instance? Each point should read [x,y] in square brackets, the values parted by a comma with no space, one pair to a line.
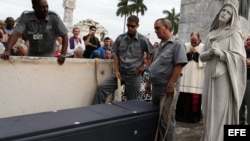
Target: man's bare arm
[12,41]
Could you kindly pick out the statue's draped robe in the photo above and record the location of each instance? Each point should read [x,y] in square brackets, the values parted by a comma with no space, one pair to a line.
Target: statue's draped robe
[225,78]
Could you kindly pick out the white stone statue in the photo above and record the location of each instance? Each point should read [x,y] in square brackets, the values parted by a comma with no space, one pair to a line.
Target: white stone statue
[69,6]
[225,73]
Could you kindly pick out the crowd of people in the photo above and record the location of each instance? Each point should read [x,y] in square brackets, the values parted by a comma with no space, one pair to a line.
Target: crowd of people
[77,47]
[52,40]
[188,81]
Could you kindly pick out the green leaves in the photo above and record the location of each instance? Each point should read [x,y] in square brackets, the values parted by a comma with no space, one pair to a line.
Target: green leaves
[174,19]
[128,7]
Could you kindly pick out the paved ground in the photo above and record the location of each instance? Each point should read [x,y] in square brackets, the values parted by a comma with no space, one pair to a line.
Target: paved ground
[188,131]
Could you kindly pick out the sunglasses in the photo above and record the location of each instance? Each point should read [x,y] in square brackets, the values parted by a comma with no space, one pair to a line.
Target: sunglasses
[132,26]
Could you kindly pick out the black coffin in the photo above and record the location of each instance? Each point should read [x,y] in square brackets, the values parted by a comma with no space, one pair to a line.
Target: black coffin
[133,120]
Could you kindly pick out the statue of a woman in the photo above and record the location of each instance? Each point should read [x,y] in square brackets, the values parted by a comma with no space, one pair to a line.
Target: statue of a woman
[225,73]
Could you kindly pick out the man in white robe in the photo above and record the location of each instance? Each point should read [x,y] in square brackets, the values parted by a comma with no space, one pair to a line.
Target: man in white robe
[189,101]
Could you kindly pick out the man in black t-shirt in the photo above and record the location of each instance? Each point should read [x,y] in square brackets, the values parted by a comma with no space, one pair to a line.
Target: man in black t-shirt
[91,42]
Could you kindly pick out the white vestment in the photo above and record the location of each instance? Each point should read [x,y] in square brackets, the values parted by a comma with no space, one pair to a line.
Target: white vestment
[192,74]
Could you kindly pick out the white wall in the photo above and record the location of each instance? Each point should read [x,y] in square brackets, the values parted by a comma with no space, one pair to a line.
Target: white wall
[32,84]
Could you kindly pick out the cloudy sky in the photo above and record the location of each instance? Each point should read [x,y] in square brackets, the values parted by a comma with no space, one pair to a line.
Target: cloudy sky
[102,11]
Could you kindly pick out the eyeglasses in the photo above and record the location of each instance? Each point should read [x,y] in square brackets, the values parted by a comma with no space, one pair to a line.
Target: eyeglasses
[132,26]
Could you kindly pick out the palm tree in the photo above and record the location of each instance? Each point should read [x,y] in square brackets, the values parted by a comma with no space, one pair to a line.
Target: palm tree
[123,10]
[174,19]
[138,6]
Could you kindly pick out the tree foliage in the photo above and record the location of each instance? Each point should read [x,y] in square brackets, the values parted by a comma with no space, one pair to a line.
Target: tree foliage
[138,6]
[128,7]
[123,10]
[174,18]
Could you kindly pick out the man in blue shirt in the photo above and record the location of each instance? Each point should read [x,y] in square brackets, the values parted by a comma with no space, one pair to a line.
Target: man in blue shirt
[105,47]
